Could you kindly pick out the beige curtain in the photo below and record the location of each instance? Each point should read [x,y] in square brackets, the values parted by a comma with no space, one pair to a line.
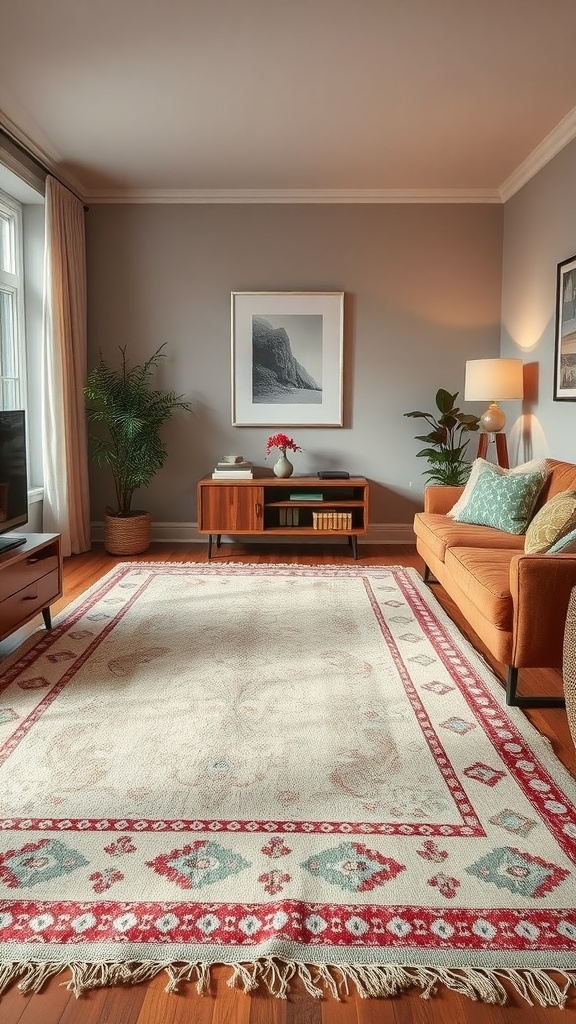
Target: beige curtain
[66,493]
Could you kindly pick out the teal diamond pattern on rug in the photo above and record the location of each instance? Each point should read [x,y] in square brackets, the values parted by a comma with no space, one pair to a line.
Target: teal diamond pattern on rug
[199,864]
[522,873]
[38,862]
[353,866]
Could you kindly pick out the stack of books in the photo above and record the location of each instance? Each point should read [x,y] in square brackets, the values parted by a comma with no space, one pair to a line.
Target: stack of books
[288,517]
[332,520]
[238,470]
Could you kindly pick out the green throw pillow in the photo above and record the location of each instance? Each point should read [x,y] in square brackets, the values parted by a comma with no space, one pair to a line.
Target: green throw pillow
[503,502]
[480,466]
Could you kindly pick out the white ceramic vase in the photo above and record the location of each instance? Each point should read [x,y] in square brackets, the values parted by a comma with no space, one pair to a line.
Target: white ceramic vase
[283,467]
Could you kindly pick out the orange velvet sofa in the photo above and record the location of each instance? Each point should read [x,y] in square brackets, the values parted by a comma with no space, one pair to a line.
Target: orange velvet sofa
[515,602]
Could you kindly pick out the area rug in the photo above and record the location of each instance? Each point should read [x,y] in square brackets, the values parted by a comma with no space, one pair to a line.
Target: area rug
[285,769]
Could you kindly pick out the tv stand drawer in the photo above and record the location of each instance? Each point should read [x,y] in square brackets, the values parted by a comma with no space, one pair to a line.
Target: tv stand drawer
[27,570]
[30,601]
[30,580]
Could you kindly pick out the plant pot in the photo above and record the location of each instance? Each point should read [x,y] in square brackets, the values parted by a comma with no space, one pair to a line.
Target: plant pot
[127,535]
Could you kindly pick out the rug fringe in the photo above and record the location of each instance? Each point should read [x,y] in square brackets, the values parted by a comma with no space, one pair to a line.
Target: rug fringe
[541,986]
[376,981]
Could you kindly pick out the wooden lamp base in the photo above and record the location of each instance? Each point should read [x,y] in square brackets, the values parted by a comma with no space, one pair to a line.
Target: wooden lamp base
[501,448]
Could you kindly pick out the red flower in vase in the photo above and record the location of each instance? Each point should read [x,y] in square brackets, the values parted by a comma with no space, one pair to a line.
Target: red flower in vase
[282,442]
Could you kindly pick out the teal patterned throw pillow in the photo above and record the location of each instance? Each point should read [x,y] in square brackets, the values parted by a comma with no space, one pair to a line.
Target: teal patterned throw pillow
[504,502]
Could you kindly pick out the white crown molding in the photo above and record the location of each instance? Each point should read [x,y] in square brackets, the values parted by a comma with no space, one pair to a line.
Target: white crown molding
[295,195]
[26,141]
[558,138]
[48,161]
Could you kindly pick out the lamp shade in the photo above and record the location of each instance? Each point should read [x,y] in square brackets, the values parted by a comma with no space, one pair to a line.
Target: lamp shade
[493,380]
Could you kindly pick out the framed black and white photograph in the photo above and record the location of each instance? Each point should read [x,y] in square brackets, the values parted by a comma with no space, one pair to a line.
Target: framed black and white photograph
[287,353]
[565,349]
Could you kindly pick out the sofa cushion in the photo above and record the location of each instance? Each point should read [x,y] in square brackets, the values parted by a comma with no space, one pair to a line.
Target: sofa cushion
[484,576]
[503,502]
[561,477]
[480,466]
[439,533]
[555,519]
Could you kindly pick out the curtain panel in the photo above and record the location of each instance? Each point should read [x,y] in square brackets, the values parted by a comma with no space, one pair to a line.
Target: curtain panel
[66,488]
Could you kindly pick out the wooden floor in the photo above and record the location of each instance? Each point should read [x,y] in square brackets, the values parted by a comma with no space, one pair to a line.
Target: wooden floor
[148,1003]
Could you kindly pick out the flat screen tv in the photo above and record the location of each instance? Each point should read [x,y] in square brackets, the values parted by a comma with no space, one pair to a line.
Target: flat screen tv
[13,477]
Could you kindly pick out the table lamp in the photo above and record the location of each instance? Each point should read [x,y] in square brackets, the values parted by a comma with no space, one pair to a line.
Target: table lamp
[494,380]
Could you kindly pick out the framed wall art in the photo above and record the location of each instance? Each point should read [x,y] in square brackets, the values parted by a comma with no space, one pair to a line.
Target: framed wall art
[565,347]
[287,359]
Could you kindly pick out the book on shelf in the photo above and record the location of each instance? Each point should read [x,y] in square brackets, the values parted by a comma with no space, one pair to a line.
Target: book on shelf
[224,474]
[288,517]
[306,496]
[233,467]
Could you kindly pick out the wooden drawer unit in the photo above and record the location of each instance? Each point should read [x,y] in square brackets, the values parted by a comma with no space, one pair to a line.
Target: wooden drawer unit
[30,580]
[18,575]
[28,602]
[264,507]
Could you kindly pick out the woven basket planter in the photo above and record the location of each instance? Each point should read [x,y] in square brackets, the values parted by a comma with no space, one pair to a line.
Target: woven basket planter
[127,535]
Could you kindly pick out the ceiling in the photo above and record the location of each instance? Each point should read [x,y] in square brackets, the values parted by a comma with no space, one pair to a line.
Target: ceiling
[287,100]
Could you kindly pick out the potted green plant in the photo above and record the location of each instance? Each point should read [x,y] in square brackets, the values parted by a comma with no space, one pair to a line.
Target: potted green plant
[446,448]
[127,414]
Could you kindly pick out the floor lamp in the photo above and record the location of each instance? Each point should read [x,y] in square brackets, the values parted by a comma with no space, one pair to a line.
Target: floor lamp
[493,380]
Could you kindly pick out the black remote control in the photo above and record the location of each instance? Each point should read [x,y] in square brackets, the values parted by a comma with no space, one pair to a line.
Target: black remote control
[333,474]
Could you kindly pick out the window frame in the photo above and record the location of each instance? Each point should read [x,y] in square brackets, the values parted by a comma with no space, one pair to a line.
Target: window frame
[13,283]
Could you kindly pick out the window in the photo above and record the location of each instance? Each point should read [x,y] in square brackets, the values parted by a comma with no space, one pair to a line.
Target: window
[12,351]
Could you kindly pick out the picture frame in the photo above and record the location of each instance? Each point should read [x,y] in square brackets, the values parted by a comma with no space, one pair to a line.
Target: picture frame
[565,340]
[287,359]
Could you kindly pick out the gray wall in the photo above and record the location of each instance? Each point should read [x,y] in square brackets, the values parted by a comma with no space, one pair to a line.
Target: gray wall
[422,290]
[539,233]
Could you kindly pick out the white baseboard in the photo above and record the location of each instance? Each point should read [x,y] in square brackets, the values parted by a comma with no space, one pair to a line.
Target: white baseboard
[187,533]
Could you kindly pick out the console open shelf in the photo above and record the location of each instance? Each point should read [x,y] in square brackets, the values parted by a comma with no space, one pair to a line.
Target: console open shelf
[263,507]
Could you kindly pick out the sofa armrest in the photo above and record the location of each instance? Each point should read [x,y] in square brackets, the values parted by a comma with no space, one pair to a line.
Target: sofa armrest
[440,498]
[541,586]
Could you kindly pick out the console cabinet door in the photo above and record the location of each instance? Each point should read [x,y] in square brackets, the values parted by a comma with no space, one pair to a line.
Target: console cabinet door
[231,509]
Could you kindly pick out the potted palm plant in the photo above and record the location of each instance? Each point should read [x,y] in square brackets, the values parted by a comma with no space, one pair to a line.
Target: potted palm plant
[446,447]
[127,414]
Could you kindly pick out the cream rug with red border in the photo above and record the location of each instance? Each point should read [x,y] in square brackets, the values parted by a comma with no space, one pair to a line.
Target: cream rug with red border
[285,769]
